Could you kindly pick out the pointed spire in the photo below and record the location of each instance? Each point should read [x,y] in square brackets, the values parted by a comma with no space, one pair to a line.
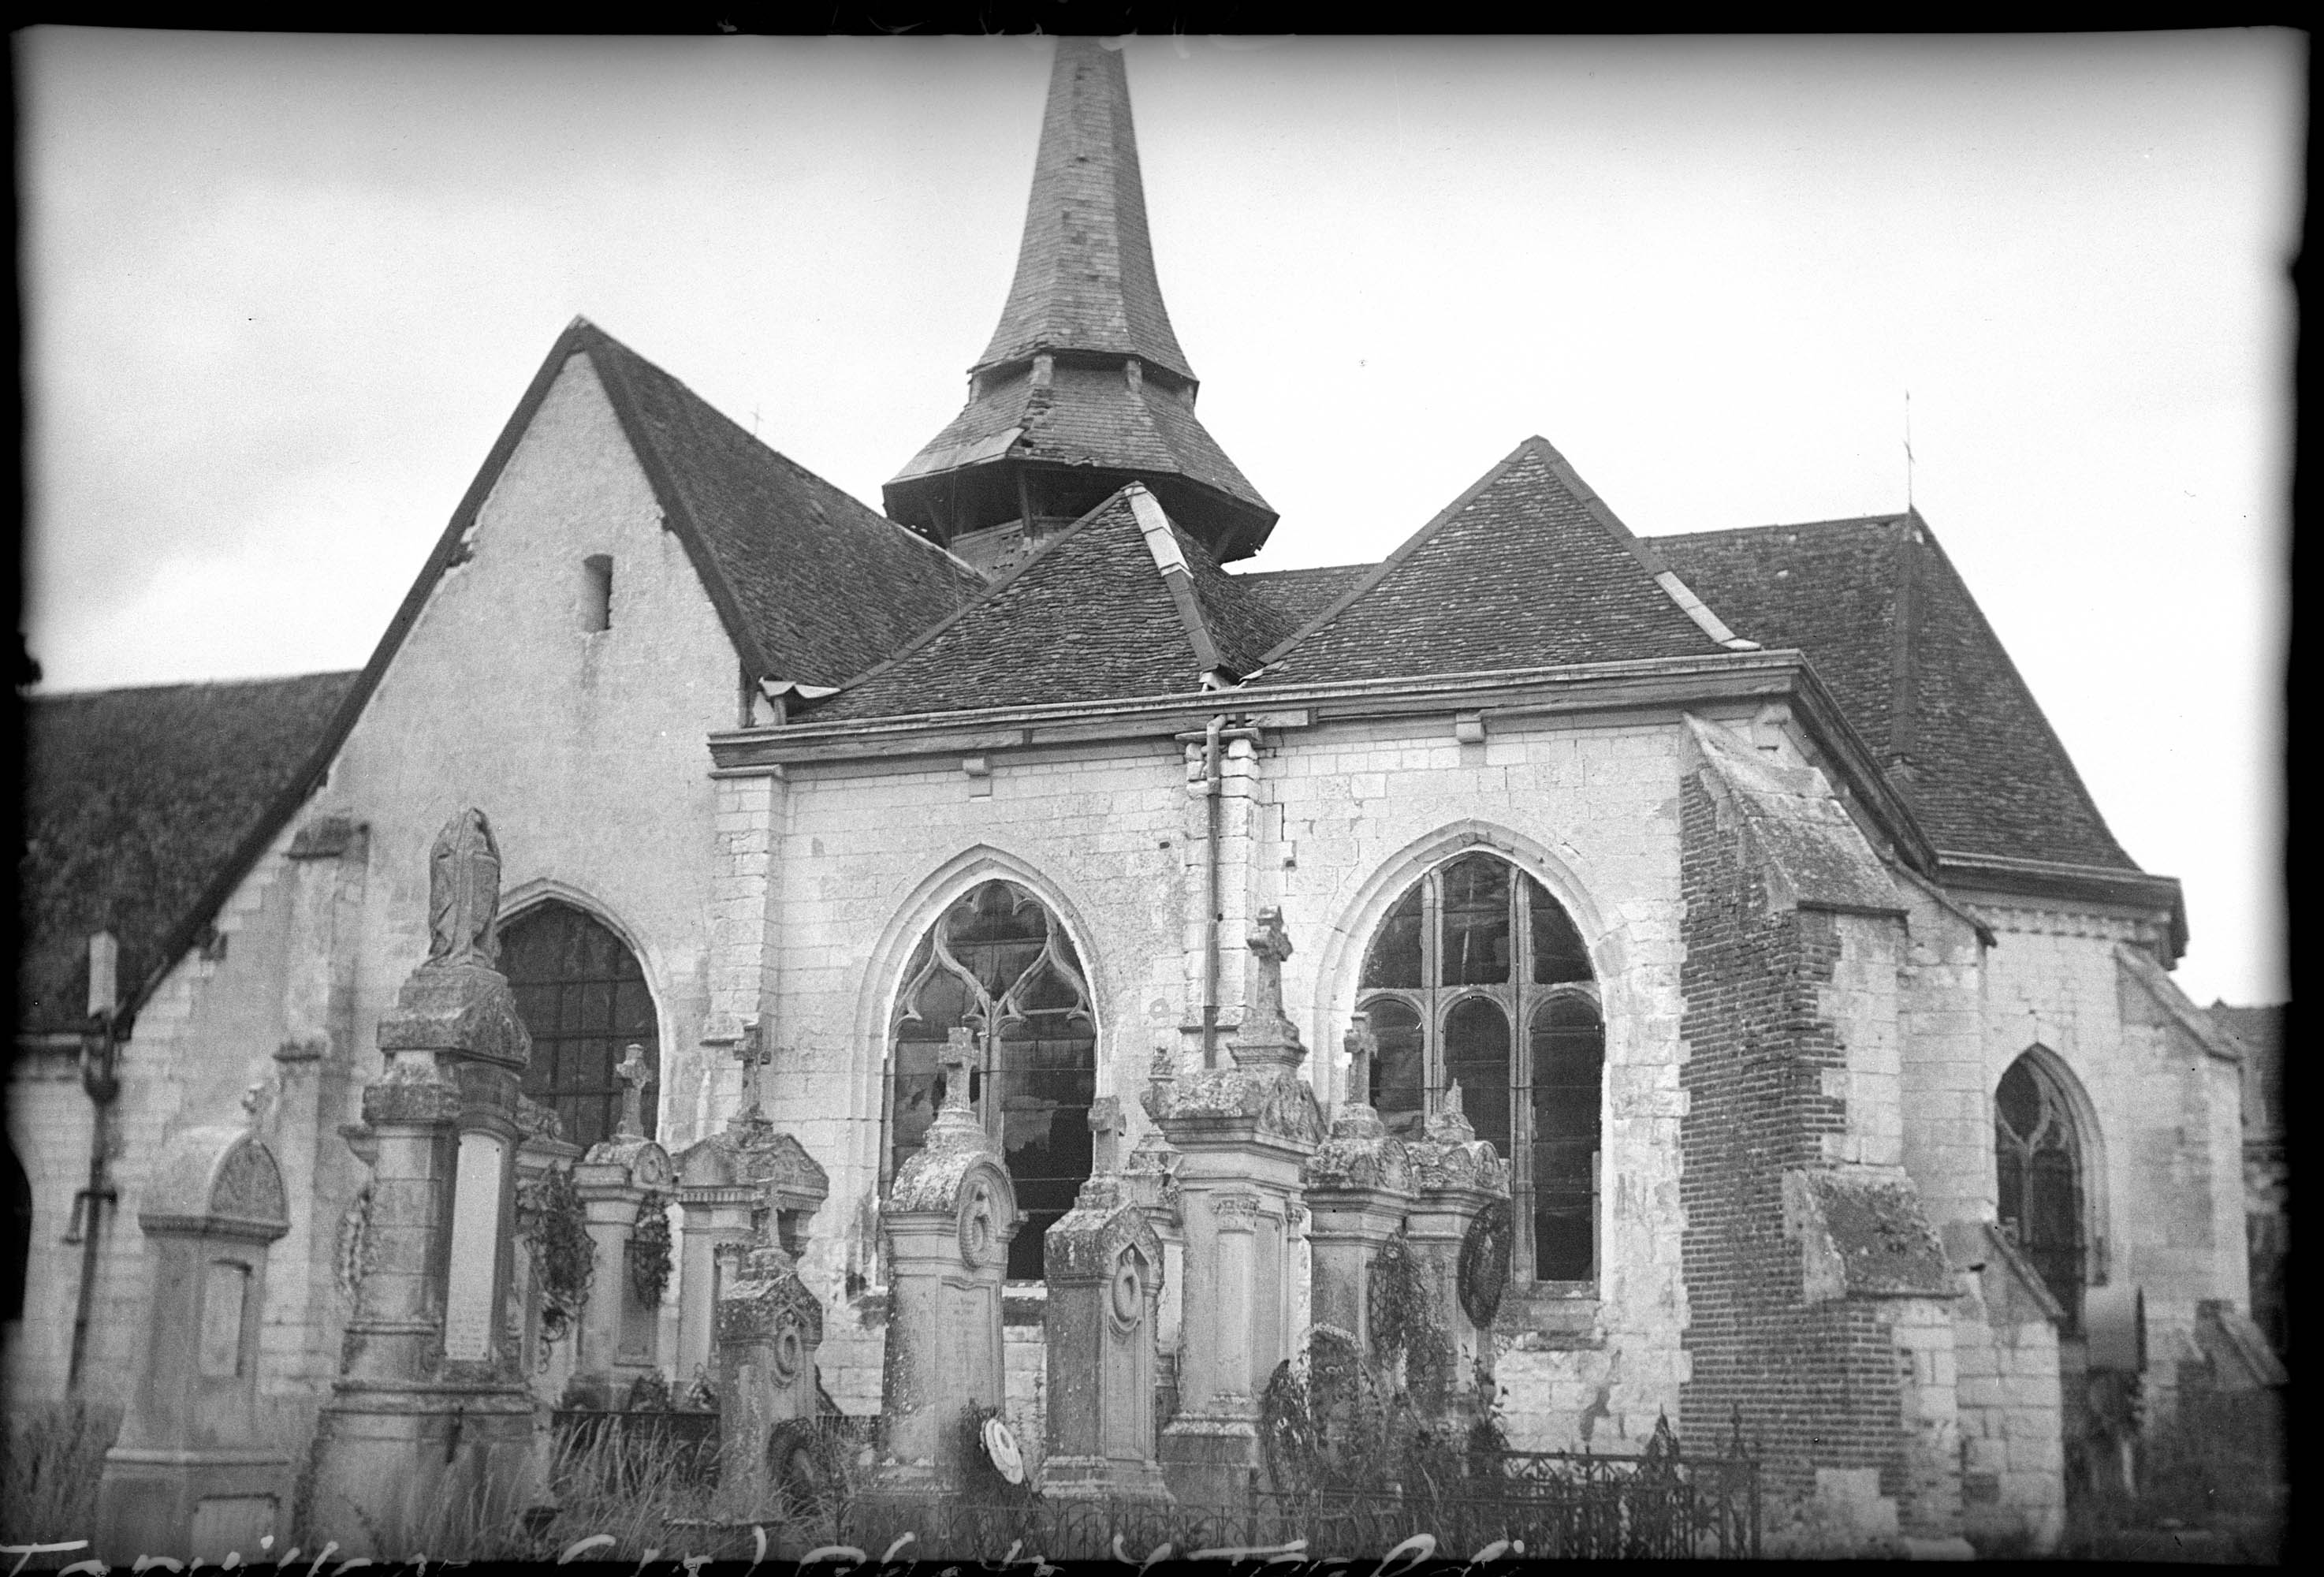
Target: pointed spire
[1085,269]
[1083,387]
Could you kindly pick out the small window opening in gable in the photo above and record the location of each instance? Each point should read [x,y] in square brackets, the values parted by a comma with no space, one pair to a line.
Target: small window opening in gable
[598,593]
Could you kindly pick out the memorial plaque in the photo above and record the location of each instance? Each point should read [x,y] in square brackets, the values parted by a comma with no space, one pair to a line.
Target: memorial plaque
[224,1296]
[471,1294]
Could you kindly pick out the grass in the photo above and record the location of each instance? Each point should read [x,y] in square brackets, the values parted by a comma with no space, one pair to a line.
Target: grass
[53,1457]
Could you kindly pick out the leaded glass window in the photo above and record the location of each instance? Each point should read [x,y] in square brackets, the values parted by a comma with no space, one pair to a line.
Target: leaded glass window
[999,964]
[2038,1157]
[584,998]
[1477,975]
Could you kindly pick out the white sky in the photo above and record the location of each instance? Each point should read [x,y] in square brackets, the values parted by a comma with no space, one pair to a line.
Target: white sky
[281,293]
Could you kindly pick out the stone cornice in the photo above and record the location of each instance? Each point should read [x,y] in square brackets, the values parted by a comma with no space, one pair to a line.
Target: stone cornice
[1654,685]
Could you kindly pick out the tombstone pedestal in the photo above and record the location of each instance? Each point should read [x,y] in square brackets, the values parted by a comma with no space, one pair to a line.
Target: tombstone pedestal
[1104,1270]
[769,1325]
[947,1221]
[1459,1229]
[429,1430]
[1243,1134]
[191,1477]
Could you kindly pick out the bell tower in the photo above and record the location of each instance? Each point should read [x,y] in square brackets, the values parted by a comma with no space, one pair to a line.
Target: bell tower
[1083,387]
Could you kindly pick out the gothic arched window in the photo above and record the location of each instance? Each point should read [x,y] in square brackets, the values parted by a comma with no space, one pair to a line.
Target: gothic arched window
[1477,975]
[999,964]
[2038,1156]
[581,993]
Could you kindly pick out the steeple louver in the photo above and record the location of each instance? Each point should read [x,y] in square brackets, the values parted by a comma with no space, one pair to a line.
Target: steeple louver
[1083,387]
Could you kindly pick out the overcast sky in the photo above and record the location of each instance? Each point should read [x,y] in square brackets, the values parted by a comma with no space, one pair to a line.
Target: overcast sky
[281,292]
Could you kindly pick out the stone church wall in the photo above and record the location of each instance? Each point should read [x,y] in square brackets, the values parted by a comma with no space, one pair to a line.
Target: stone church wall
[2164,1167]
[1330,823]
[497,698]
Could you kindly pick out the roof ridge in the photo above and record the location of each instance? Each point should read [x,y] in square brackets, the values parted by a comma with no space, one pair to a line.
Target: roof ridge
[1873,520]
[147,689]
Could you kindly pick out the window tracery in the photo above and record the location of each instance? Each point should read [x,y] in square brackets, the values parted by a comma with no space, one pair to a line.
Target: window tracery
[1473,951]
[998,962]
[2037,1154]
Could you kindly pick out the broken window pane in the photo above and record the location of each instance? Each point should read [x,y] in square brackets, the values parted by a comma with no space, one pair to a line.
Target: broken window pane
[1476,921]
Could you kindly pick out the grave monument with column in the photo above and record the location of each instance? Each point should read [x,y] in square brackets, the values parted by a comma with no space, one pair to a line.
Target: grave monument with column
[744,1187]
[623,1181]
[1243,1133]
[431,1417]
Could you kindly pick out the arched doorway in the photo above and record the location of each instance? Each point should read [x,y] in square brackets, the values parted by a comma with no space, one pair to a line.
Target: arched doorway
[1477,974]
[582,995]
[2038,1158]
[998,962]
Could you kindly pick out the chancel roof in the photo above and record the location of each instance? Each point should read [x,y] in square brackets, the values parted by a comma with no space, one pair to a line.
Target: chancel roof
[1098,613]
[135,803]
[1891,628]
[1526,569]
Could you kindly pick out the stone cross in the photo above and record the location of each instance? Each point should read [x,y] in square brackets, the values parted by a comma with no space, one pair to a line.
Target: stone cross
[635,1075]
[755,1055]
[1362,1047]
[463,892]
[1107,1126]
[959,1056]
[1270,945]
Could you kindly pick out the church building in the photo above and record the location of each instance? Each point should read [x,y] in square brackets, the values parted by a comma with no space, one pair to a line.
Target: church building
[1734,880]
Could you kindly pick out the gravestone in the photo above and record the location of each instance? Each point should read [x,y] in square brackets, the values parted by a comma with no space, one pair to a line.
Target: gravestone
[949,1218]
[431,1417]
[1242,1134]
[190,1475]
[1103,1263]
[624,1183]
[745,1186]
[1460,1229]
[1359,1188]
[765,1324]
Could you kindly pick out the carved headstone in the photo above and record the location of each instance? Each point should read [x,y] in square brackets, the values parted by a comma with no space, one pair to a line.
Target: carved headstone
[1358,1187]
[949,1218]
[1104,1266]
[1460,1178]
[192,1467]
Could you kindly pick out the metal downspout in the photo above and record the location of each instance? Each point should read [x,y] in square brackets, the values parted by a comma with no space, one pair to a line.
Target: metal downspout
[1212,774]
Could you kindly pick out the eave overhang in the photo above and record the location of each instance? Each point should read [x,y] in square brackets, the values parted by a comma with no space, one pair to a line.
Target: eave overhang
[2045,879]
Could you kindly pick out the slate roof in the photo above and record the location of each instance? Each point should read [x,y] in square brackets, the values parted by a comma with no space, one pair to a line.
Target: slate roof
[1089,617]
[1892,629]
[1302,593]
[1086,267]
[135,802]
[1085,416]
[810,585]
[1528,568]
[815,585]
